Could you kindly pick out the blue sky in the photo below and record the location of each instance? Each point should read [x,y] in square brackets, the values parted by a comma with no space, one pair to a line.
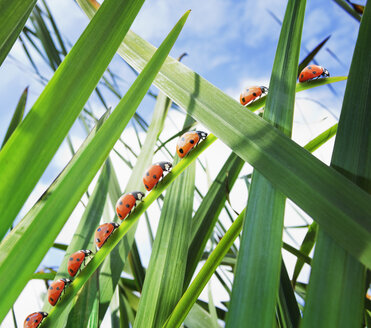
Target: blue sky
[230,43]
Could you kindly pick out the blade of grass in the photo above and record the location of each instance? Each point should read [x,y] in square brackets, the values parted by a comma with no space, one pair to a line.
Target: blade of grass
[345,5]
[111,268]
[305,248]
[13,17]
[340,206]
[208,212]
[256,282]
[336,289]
[198,318]
[26,155]
[17,116]
[125,226]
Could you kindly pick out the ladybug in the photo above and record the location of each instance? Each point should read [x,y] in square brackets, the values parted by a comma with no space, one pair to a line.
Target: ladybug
[311,72]
[34,319]
[75,261]
[252,93]
[103,232]
[55,290]
[189,140]
[154,173]
[126,203]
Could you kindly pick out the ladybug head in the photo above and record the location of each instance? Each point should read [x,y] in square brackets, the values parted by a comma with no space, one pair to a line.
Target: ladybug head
[115,225]
[264,89]
[138,195]
[202,134]
[66,281]
[44,314]
[166,166]
[87,252]
[325,72]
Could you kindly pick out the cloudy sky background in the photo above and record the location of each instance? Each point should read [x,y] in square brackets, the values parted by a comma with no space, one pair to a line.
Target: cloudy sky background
[231,44]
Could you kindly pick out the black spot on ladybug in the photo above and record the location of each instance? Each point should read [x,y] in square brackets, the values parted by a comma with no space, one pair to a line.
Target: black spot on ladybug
[309,67]
[183,139]
[50,287]
[120,203]
[28,319]
[36,320]
[147,174]
[254,94]
[154,176]
[51,299]
[71,270]
[78,260]
[120,215]
[127,205]
[107,231]
[181,150]
[314,72]
[243,99]
[71,258]
[146,186]
[57,288]
[98,240]
[302,75]
[192,141]
[98,229]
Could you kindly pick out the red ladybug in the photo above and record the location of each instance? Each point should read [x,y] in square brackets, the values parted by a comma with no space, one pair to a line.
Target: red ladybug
[76,260]
[311,72]
[252,93]
[34,319]
[55,290]
[126,203]
[103,232]
[154,173]
[189,140]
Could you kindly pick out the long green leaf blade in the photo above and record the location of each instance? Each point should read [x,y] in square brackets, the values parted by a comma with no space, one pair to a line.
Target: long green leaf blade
[336,203]
[163,285]
[17,116]
[256,282]
[336,291]
[13,17]
[26,155]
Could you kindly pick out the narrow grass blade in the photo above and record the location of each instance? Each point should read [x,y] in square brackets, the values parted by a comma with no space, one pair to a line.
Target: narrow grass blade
[305,248]
[13,17]
[288,312]
[336,289]
[311,55]
[17,116]
[208,212]
[194,290]
[340,206]
[26,155]
[345,5]
[125,226]
[111,268]
[198,318]
[256,282]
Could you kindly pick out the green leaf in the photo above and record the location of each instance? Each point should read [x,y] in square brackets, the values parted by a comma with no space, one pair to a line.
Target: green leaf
[17,116]
[336,289]
[335,202]
[345,5]
[35,228]
[194,290]
[256,282]
[208,212]
[305,248]
[111,268]
[13,16]
[198,318]
[26,155]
